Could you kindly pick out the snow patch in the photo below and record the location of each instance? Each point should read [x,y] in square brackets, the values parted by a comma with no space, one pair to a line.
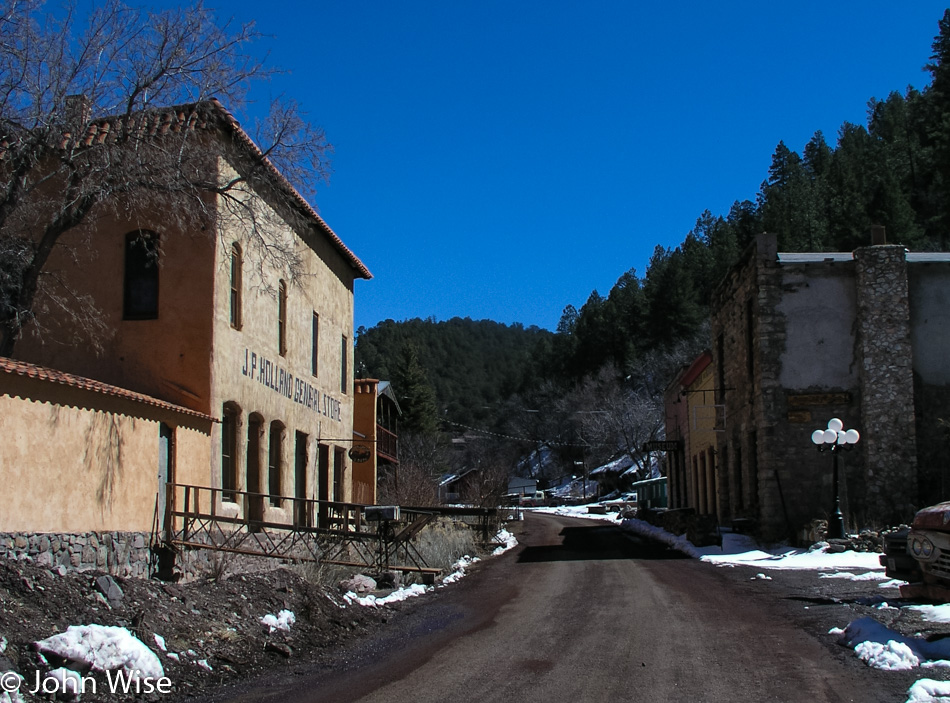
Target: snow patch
[867,576]
[508,541]
[893,583]
[458,569]
[893,656]
[642,528]
[883,648]
[400,594]
[68,682]
[282,621]
[104,649]
[932,613]
[929,691]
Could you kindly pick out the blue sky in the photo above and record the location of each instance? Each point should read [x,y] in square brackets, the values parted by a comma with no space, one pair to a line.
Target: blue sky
[502,159]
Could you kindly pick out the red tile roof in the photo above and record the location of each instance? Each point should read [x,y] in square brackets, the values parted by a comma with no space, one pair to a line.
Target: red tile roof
[205,115]
[22,368]
[697,367]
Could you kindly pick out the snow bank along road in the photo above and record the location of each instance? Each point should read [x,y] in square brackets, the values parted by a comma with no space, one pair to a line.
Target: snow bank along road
[581,612]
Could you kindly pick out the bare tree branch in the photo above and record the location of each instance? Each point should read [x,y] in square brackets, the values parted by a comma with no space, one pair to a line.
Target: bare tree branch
[123,110]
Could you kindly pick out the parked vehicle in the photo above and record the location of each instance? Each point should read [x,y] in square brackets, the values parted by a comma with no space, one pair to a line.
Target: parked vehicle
[896,560]
[533,500]
[928,544]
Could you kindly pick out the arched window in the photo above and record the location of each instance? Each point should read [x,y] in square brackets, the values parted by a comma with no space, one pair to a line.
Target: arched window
[230,419]
[140,294]
[237,264]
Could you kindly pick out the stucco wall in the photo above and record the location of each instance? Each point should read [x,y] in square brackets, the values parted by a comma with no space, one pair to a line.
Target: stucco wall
[168,357]
[78,461]
[819,306]
[929,286]
[249,370]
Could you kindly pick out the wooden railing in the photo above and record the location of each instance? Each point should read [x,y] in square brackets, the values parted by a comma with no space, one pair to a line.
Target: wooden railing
[304,529]
[387,444]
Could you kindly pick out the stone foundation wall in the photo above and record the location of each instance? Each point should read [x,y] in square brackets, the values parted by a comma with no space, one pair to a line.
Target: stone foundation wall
[124,554]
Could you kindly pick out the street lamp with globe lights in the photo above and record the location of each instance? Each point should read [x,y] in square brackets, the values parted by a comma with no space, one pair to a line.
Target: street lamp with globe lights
[834,440]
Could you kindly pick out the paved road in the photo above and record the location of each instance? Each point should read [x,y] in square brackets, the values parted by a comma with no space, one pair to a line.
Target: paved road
[580,612]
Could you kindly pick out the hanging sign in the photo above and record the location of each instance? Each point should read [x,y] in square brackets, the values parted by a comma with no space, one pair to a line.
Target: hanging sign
[360,453]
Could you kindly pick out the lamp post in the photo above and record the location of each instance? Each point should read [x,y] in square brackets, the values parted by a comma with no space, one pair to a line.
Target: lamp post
[835,439]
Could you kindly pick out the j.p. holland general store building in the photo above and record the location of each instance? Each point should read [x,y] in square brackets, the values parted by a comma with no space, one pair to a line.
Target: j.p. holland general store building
[218,370]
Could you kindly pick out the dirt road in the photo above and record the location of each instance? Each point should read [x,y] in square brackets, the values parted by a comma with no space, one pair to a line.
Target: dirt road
[581,612]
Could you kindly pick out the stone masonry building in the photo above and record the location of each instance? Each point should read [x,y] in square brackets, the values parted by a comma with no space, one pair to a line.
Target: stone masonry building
[800,338]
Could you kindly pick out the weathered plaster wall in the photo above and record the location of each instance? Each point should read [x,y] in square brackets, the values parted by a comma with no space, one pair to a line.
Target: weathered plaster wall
[929,291]
[249,370]
[819,306]
[76,461]
[929,285]
[168,357]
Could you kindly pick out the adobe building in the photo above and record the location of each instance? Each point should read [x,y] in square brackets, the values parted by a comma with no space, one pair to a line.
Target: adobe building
[84,467]
[800,338]
[693,420]
[205,322]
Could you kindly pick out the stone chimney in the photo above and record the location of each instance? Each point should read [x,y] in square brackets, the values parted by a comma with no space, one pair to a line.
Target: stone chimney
[878,235]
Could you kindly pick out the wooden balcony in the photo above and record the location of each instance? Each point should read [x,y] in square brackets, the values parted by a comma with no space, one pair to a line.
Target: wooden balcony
[387,445]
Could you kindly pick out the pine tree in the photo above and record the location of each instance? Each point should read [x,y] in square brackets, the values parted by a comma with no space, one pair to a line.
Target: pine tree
[420,413]
[938,96]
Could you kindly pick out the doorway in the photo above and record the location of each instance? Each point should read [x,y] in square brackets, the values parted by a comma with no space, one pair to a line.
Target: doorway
[255,501]
[301,513]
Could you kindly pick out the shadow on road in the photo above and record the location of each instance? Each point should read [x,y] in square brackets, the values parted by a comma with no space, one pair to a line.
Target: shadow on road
[597,543]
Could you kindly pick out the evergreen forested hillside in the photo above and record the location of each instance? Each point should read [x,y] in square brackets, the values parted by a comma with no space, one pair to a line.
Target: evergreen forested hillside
[472,365]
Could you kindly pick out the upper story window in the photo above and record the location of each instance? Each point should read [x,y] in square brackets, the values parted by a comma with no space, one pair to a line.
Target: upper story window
[282,318]
[315,344]
[140,294]
[344,370]
[237,265]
